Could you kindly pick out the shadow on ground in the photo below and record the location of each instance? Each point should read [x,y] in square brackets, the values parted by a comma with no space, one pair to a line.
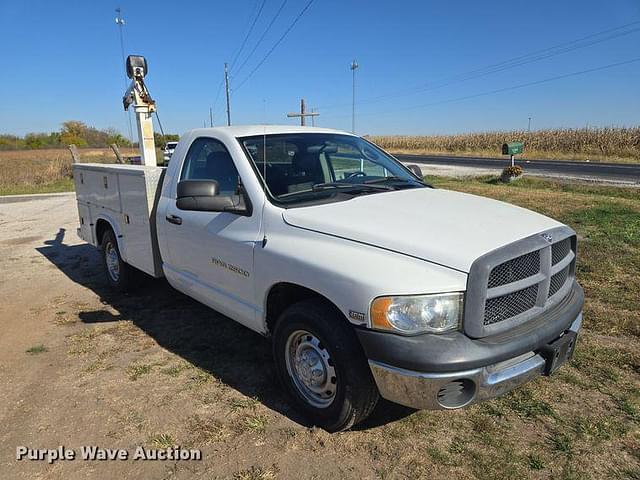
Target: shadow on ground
[233,354]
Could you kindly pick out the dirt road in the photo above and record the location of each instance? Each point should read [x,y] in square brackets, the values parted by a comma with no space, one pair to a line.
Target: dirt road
[80,366]
[152,370]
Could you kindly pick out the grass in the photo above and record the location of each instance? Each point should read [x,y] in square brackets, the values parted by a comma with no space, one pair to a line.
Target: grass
[36,349]
[162,440]
[61,185]
[137,371]
[46,170]
[608,144]
[257,423]
[607,220]
[257,473]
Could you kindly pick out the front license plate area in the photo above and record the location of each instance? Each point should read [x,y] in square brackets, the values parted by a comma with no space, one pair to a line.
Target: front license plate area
[558,352]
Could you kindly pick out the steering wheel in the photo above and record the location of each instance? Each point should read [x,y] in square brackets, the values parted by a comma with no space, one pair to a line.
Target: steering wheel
[356,174]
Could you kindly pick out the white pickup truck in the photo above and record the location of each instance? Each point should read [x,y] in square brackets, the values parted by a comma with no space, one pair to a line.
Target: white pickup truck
[368,281]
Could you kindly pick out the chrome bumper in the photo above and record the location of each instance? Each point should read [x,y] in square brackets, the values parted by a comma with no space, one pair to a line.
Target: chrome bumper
[450,390]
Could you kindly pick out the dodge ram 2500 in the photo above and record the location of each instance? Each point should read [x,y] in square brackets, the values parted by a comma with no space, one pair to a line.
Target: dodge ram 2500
[368,281]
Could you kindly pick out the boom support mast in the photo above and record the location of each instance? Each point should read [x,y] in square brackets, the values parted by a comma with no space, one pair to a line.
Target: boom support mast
[144,106]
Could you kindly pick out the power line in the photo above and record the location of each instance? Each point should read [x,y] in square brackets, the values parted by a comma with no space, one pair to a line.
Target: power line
[504,89]
[244,42]
[215,101]
[531,57]
[273,20]
[264,59]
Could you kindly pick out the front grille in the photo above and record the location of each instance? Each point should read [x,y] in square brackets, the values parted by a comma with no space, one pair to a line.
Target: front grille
[501,308]
[516,269]
[560,250]
[506,288]
[558,280]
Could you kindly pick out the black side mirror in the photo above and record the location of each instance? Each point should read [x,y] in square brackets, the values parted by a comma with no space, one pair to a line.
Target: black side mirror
[415,169]
[204,196]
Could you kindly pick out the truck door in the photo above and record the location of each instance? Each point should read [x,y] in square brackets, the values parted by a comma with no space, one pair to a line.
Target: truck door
[211,253]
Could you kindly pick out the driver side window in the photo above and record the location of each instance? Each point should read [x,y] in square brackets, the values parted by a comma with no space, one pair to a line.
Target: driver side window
[209,159]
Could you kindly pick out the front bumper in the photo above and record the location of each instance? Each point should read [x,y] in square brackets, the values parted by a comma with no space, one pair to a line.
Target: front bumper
[447,390]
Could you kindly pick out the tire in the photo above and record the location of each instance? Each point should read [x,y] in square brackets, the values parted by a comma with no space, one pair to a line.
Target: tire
[120,274]
[344,392]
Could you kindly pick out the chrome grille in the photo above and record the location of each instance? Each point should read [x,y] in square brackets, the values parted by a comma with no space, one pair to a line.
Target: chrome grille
[515,269]
[501,308]
[558,280]
[560,250]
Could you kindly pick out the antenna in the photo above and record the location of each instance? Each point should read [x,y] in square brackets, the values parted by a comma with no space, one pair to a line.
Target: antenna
[264,145]
[120,22]
[264,170]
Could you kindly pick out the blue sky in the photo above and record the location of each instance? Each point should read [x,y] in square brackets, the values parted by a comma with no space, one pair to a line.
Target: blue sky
[61,61]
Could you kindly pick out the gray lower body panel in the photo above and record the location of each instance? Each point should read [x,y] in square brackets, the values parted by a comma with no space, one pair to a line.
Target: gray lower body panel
[446,390]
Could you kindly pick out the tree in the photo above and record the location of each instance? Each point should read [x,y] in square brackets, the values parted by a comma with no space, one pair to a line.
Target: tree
[113,136]
[161,140]
[73,132]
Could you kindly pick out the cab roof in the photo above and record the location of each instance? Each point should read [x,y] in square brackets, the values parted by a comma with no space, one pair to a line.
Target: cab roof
[252,130]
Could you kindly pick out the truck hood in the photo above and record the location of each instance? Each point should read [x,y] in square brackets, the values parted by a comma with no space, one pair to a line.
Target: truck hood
[440,226]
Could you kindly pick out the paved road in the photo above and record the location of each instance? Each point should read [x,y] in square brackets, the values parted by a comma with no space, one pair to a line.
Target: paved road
[612,172]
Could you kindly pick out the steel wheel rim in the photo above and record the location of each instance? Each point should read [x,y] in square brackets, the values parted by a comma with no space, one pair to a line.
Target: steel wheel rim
[310,367]
[113,262]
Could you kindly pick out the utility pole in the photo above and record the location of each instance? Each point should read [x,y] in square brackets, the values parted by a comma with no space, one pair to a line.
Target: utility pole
[529,127]
[354,66]
[226,82]
[303,113]
[120,23]
[210,117]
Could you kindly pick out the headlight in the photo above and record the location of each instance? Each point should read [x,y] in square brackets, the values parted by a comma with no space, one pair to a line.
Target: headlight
[417,314]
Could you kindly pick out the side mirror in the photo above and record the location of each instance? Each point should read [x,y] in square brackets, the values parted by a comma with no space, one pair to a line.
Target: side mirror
[204,196]
[417,171]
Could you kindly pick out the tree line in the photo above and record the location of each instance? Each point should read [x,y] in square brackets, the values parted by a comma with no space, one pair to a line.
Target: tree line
[76,133]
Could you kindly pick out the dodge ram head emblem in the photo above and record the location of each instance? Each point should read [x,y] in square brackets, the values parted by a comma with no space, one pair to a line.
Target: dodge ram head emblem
[547,237]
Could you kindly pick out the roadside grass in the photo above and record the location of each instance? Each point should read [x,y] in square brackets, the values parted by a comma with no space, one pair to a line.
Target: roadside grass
[607,221]
[46,171]
[36,349]
[162,440]
[57,186]
[257,473]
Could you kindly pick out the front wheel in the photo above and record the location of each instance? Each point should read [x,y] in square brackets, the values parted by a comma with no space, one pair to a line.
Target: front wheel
[321,364]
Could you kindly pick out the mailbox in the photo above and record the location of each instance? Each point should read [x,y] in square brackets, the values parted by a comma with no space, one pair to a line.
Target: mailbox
[512,148]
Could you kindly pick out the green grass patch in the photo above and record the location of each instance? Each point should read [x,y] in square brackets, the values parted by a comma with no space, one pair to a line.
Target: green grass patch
[36,349]
[162,440]
[63,185]
[137,371]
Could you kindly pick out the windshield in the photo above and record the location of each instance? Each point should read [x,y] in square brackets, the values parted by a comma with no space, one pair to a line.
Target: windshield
[304,167]
[171,145]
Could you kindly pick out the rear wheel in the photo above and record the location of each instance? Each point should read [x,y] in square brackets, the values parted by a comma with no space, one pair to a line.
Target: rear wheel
[322,366]
[119,273]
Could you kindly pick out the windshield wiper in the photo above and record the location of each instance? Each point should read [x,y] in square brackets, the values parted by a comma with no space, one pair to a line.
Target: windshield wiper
[349,186]
[394,178]
[343,187]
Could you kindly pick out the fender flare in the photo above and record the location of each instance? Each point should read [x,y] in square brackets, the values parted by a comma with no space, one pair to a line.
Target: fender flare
[115,226]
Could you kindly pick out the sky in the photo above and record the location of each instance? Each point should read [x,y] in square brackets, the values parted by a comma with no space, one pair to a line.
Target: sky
[425,67]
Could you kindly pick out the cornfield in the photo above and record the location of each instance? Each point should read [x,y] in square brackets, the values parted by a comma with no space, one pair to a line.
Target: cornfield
[608,143]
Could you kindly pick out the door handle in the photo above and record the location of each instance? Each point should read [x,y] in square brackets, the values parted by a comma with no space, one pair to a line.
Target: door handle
[174,219]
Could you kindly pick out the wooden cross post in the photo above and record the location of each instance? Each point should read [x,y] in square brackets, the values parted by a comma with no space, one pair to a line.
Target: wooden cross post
[303,113]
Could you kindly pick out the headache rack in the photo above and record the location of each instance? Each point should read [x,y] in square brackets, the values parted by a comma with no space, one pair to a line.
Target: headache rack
[519,282]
